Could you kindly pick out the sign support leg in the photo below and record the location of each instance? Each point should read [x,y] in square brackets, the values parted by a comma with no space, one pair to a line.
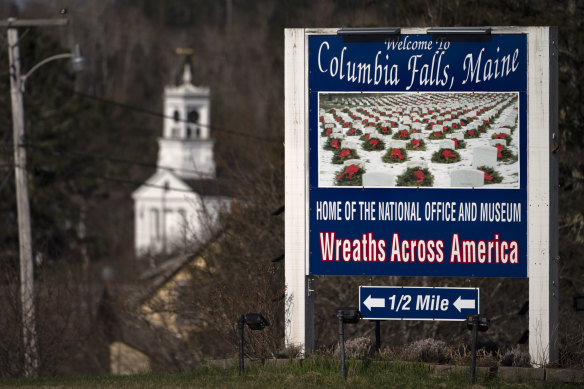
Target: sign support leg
[342,347]
[543,198]
[299,304]
[378,335]
[240,332]
[473,351]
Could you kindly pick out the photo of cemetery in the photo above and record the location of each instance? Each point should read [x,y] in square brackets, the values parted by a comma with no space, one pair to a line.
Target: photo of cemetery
[435,139]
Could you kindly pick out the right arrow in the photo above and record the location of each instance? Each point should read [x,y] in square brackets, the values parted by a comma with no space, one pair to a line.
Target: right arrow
[464,304]
[374,303]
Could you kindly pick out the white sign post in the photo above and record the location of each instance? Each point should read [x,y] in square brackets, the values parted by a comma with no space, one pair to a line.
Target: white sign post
[299,304]
[542,195]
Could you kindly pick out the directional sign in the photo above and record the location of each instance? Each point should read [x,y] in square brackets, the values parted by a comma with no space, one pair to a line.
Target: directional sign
[408,303]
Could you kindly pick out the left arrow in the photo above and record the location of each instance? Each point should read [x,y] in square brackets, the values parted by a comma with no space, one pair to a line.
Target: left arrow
[463,304]
[374,303]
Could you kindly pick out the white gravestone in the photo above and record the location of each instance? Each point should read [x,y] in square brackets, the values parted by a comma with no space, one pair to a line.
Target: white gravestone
[494,142]
[398,144]
[503,130]
[447,144]
[351,142]
[417,135]
[378,179]
[456,135]
[437,127]
[357,162]
[467,178]
[418,164]
[418,125]
[484,156]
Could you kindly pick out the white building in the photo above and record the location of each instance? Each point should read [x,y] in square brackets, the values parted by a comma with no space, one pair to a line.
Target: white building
[182,200]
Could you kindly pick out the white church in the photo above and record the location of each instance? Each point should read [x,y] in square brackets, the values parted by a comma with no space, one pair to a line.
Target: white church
[183,199]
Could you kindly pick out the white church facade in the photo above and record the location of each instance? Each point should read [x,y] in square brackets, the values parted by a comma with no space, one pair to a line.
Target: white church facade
[181,202]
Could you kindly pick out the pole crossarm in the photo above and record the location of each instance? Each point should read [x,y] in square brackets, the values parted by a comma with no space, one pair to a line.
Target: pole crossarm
[13,22]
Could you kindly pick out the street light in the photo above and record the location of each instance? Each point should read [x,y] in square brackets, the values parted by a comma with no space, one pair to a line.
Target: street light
[475,323]
[77,60]
[17,82]
[77,63]
[345,315]
[255,322]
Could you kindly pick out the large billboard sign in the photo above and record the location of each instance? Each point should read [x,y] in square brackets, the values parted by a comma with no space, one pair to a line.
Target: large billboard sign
[418,155]
[422,155]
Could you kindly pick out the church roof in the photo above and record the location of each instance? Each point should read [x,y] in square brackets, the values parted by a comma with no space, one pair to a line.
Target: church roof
[222,186]
[187,87]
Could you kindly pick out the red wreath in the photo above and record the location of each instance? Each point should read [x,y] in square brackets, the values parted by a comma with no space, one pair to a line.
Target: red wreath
[419,175]
[349,170]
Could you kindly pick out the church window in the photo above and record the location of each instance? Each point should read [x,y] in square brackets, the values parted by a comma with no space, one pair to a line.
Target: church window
[176,116]
[169,225]
[183,216]
[182,220]
[154,224]
[193,116]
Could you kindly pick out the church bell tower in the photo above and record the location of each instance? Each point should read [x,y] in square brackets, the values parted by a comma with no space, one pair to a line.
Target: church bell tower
[185,145]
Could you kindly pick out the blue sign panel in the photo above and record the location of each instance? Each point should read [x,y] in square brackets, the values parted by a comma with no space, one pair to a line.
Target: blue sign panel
[418,156]
[406,303]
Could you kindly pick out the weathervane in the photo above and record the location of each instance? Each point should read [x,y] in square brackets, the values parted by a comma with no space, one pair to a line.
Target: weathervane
[187,54]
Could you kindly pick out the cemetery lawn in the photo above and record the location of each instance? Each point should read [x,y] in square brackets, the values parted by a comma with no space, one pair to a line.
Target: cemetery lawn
[312,373]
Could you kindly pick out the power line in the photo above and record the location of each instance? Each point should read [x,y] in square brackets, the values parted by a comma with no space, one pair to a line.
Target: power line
[34,169]
[74,154]
[160,115]
[132,182]
[105,178]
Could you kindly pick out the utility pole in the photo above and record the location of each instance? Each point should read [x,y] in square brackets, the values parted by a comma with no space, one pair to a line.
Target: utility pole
[31,358]
[228,16]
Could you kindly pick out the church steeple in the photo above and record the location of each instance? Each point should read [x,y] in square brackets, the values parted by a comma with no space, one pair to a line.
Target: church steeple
[185,144]
[187,74]
[182,202]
